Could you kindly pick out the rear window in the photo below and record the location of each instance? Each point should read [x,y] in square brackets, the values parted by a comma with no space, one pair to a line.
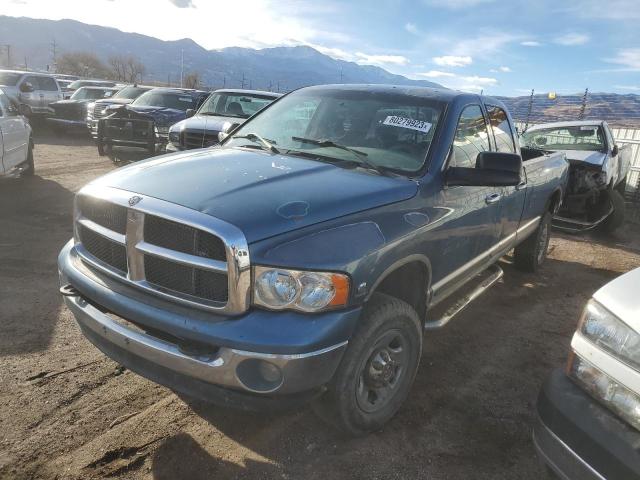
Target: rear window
[47,83]
[573,137]
[230,104]
[9,79]
[177,101]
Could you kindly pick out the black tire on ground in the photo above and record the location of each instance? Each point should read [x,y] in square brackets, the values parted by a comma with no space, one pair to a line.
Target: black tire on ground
[616,218]
[30,167]
[101,149]
[530,254]
[377,369]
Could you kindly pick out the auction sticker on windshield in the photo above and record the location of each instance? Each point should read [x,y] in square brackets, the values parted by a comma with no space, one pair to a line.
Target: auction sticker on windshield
[410,123]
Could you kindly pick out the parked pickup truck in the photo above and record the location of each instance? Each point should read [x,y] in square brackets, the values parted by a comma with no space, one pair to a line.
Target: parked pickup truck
[222,111]
[597,175]
[16,143]
[301,258]
[588,424]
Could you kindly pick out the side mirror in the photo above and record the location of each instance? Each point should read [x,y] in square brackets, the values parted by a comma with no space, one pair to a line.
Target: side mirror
[26,87]
[190,112]
[614,151]
[227,129]
[493,169]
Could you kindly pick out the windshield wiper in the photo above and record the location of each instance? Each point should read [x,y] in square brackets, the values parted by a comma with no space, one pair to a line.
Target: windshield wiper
[362,156]
[254,137]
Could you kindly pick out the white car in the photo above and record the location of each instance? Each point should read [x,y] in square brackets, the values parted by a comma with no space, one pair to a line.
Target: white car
[16,143]
[589,415]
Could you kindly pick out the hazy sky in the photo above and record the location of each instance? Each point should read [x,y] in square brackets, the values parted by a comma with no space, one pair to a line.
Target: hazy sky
[504,47]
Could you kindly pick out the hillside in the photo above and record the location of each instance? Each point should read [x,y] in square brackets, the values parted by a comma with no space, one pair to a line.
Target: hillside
[283,67]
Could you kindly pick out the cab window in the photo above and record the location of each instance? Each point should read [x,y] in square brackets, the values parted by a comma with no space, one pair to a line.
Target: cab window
[471,138]
[501,128]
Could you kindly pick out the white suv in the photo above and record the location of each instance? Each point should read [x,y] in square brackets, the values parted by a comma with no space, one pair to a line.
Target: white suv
[33,91]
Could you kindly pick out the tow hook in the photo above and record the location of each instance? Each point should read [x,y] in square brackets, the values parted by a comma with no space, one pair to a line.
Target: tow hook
[69,290]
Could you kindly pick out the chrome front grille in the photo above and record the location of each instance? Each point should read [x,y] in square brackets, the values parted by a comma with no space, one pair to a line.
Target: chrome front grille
[100,110]
[169,250]
[198,139]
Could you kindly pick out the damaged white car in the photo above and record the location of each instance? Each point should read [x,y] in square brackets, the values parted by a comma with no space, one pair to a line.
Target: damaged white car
[597,176]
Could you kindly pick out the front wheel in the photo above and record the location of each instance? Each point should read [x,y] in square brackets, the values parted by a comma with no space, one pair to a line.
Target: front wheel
[377,370]
[531,254]
[30,167]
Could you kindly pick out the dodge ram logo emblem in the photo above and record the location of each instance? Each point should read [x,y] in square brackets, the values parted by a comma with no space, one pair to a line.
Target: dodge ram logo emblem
[134,200]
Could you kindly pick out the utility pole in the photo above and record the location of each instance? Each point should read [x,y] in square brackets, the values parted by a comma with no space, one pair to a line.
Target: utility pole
[224,81]
[54,55]
[270,85]
[168,79]
[278,86]
[8,47]
[182,68]
[526,124]
[242,80]
[341,76]
[583,107]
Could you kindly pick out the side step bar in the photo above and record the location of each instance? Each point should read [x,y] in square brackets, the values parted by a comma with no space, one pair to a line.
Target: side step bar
[577,226]
[464,301]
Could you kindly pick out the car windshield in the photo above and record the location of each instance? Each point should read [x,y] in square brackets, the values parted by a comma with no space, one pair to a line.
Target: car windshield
[228,104]
[85,93]
[9,79]
[579,137]
[383,130]
[90,83]
[178,101]
[130,92]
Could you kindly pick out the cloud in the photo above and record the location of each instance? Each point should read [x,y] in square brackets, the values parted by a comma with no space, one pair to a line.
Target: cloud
[412,28]
[455,4]
[628,58]
[530,43]
[453,61]
[381,60]
[572,39]
[623,10]
[183,3]
[505,69]
[435,74]
[634,88]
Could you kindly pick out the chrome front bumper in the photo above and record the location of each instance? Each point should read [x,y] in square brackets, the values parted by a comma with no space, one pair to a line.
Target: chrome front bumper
[224,367]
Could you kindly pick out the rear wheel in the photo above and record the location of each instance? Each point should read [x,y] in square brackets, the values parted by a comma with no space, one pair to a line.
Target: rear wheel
[530,254]
[377,370]
[616,217]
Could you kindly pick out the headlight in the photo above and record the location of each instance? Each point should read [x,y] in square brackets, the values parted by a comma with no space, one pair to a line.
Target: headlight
[174,136]
[281,289]
[603,388]
[163,131]
[611,334]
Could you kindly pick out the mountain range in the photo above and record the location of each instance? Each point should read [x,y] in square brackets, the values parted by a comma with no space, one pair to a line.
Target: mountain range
[279,68]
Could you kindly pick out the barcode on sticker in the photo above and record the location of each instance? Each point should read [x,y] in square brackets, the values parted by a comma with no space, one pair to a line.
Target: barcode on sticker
[410,123]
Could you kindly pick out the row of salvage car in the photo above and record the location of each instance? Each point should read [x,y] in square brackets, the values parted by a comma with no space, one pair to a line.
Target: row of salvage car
[156,119]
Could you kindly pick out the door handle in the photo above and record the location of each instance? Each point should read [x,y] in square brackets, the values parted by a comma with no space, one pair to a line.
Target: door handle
[521,185]
[493,198]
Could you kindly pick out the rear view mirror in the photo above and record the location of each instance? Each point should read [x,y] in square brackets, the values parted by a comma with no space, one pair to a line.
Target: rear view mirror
[614,151]
[493,169]
[26,87]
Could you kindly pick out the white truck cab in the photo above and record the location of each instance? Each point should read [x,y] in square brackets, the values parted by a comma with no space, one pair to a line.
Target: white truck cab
[16,144]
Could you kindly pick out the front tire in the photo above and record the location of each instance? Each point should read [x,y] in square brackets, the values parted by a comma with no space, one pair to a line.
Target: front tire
[377,370]
[615,218]
[30,167]
[531,254]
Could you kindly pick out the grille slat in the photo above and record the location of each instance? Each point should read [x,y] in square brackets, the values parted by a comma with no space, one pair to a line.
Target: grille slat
[105,250]
[186,280]
[183,238]
[106,214]
[199,139]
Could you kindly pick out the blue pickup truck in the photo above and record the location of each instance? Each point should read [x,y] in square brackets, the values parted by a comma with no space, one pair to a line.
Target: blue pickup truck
[302,258]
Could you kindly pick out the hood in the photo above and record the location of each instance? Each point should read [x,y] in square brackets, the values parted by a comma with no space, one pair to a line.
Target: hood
[62,103]
[115,101]
[162,116]
[208,123]
[591,157]
[261,193]
[620,296]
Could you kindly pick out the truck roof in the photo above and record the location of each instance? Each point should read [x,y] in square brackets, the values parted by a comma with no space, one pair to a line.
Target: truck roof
[248,92]
[573,123]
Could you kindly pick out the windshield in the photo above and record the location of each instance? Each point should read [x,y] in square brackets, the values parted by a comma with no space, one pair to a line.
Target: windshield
[173,100]
[130,92]
[9,79]
[228,104]
[382,129]
[91,93]
[90,83]
[582,137]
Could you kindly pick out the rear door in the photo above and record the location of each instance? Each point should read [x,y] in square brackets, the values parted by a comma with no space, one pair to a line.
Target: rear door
[513,198]
[15,135]
[49,90]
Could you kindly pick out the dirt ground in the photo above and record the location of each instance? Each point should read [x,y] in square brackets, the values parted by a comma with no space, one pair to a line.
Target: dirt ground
[68,412]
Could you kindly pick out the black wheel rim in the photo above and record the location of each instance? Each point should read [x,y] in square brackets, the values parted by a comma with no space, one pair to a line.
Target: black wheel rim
[382,372]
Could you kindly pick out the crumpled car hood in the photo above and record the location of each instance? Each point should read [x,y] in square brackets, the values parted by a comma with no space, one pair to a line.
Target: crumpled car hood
[591,157]
[261,193]
[162,116]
